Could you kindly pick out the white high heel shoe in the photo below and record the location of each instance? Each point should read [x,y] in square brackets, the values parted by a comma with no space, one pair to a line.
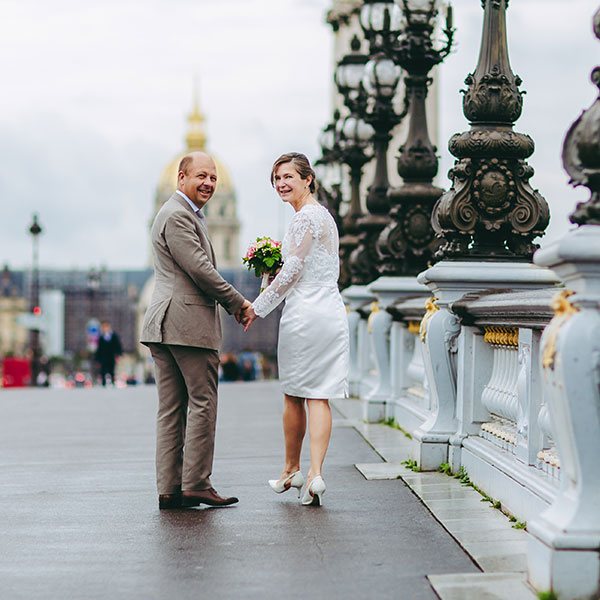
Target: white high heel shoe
[314,492]
[295,480]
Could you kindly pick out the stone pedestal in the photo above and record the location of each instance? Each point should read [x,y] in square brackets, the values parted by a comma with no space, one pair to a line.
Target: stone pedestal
[387,290]
[440,329]
[564,549]
[356,298]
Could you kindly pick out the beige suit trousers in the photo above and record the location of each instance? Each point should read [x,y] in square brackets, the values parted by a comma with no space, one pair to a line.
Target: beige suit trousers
[187,380]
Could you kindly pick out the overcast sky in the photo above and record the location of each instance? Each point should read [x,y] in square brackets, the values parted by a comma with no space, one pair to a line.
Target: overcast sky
[94,99]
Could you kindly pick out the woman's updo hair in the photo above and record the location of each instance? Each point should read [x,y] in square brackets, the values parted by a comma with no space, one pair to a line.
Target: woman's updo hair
[302,166]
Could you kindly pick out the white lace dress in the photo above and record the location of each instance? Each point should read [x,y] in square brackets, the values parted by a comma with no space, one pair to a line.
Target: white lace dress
[313,350]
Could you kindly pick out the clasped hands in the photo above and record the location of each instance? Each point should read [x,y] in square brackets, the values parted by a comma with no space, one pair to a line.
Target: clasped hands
[245,315]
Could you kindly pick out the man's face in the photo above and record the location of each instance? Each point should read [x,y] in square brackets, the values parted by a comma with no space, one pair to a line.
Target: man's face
[199,181]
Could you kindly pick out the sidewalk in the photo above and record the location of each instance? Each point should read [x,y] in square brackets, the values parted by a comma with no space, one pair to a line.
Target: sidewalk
[483,531]
[80,517]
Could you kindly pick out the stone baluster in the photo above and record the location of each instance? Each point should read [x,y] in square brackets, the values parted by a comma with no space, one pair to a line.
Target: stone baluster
[401,350]
[500,395]
[439,332]
[547,454]
[387,290]
[380,324]
[529,398]
[415,372]
[353,323]
[365,352]
[409,398]
[358,300]
[545,424]
[564,546]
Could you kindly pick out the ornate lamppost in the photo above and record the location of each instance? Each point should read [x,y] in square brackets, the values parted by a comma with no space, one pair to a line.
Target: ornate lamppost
[353,137]
[491,211]
[380,21]
[408,243]
[326,169]
[34,336]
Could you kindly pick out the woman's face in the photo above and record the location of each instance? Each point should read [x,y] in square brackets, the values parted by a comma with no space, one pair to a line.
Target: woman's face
[288,183]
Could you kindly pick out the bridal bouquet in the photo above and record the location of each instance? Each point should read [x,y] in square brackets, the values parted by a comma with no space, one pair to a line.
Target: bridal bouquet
[264,257]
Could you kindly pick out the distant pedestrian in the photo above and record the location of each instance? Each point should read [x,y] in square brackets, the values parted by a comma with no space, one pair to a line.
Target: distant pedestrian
[229,367]
[109,349]
[247,366]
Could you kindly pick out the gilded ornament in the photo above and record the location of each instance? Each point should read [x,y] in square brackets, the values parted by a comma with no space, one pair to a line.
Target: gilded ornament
[501,336]
[414,327]
[563,311]
[431,309]
[374,310]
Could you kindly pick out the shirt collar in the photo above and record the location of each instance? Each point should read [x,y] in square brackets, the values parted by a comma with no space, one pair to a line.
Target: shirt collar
[192,205]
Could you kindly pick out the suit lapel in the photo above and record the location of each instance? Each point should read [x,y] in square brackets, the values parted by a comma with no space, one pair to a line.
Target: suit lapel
[204,239]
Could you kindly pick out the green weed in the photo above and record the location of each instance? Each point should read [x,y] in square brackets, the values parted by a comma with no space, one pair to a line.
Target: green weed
[412,465]
[445,468]
[391,422]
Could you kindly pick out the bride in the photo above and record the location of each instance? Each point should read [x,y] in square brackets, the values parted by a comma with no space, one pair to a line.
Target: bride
[313,351]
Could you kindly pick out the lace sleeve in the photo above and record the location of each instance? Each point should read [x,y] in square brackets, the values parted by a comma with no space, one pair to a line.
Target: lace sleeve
[301,235]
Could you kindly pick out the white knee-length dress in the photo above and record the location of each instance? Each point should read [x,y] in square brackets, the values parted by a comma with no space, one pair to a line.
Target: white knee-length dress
[313,349]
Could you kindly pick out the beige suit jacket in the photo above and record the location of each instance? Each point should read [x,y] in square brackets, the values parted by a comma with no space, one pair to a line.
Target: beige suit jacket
[183,309]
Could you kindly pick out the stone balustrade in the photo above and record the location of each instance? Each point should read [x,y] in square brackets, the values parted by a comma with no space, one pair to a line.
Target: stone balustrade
[472,394]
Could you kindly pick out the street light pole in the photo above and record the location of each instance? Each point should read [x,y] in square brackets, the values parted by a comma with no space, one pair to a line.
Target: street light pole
[34,336]
[491,212]
[353,136]
[380,21]
[408,243]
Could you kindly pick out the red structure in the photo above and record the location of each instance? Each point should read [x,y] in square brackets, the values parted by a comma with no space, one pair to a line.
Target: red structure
[16,372]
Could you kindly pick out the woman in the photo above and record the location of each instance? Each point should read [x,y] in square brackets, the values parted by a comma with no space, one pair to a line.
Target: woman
[313,332]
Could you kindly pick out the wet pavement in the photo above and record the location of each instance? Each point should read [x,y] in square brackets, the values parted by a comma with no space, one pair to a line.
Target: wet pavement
[80,517]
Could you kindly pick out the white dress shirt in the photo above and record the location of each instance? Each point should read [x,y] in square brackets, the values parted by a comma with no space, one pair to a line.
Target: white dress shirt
[196,210]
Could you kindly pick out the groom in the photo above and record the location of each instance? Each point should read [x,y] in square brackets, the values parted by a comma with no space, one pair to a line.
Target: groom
[183,331]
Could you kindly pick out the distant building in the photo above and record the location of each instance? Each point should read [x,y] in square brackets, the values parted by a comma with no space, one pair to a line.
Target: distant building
[13,337]
[112,295]
[122,296]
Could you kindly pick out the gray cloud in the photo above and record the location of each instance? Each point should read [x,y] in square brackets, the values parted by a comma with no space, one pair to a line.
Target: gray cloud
[94,100]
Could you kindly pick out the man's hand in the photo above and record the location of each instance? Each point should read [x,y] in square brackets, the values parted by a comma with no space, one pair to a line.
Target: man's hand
[249,317]
[239,314]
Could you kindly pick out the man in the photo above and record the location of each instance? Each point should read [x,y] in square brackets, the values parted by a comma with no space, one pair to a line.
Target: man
[183,331]
[109,348]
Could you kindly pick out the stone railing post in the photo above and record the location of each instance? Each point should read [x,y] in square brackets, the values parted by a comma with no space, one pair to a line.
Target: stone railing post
[358,301]
[564,546]
[387,290]
[439,332]
[380,323]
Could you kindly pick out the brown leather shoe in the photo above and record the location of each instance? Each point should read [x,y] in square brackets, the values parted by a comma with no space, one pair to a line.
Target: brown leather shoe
[208,496]
[166,501]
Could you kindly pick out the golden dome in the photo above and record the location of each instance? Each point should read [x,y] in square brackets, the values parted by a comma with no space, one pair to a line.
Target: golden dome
[195,140]
[221,218]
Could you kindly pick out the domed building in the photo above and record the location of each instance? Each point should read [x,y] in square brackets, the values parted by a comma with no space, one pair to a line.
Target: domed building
[221,214]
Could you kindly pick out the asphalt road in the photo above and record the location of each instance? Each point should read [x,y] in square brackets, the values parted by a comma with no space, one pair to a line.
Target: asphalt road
[80,518]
